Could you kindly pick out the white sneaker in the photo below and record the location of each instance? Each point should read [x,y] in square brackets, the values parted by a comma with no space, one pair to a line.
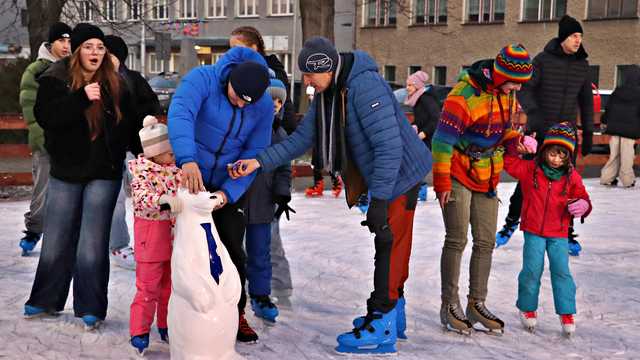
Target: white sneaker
[124,258]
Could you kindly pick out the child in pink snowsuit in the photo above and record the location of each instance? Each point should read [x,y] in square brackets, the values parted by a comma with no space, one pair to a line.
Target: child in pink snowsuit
[156,180]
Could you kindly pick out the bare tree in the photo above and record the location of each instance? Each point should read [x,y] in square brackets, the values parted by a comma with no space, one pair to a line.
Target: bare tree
[317,18]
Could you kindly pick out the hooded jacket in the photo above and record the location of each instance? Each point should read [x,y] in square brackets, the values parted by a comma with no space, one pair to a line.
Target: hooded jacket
[559,87]
[476,121]
[289,122]
[382,144]
[622,114]
[28,91]
[60,111]
[204,127]
[545,202]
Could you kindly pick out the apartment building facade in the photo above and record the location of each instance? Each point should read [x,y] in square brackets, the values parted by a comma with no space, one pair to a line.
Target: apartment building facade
[442,37]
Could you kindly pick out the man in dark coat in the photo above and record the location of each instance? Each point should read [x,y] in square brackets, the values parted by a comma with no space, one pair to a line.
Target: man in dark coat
[561,84]
[622,118]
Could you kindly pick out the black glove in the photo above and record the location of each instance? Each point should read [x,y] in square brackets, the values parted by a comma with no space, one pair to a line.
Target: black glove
[376,216]
[283,206]
[587,143]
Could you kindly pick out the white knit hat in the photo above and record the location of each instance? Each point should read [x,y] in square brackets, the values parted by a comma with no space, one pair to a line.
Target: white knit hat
[154,137]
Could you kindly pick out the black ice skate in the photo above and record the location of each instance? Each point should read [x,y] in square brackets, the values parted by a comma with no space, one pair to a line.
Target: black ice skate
[478,313]
[453,319]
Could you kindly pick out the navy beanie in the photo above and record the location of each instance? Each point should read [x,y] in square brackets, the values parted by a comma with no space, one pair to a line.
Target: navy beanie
[83,32]
[117,47]
[568,26]
[249,81]
[318,55]
[59,31]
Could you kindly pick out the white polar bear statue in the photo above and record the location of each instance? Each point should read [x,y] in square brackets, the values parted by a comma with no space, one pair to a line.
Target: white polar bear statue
[203,308]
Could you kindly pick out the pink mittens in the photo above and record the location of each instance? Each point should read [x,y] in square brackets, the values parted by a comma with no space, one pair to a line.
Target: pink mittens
[578,207]
[530,143]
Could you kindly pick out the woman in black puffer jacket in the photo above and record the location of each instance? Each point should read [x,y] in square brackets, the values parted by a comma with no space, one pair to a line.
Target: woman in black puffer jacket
[88,125]
[622,117]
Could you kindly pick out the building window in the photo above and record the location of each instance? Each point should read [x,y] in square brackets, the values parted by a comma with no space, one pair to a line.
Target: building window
[430,12]
[622,73]
[155,65]
[281,7]
[131,61]
[390,73]
[540,10]
[612,9]
[135,10]
[85,11]
[594,71]
[484,11]
[285,59]
[215,8]
[187,9]
[215,57]
[110,10]
[159,10]
[246,8]
[440,75]
[379,13]
[413,69]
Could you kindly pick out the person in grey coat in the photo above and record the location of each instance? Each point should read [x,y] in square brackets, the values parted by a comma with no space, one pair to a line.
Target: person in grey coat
[267,191]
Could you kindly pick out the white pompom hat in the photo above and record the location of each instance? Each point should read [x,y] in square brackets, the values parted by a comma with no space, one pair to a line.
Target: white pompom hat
[154,137]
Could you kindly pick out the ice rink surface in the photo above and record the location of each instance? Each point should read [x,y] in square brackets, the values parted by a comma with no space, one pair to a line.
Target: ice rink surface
[331,258]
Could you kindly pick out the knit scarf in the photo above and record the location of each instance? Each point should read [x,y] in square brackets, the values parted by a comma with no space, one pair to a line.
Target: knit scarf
[330,138]
[553,174]
[413,98]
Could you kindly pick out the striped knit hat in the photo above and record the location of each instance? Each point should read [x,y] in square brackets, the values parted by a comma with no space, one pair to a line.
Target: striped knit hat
[154,137]
[512,64]
[560,134]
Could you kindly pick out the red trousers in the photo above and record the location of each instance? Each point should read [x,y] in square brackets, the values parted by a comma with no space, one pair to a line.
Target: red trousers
[153,245]
[392,257]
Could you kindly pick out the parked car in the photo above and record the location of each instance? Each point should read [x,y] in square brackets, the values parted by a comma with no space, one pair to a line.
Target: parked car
[164,85]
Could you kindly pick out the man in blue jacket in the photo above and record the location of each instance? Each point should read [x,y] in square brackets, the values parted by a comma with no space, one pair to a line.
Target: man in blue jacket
[360,132]
[217,116]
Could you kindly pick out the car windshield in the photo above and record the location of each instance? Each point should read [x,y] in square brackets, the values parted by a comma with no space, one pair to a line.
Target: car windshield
[163,83]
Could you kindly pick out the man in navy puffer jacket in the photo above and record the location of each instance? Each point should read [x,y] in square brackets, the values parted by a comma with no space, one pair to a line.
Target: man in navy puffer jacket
[361,132]
[217,116]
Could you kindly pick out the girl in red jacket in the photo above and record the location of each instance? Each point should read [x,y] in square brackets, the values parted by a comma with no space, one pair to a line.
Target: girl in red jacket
[553,193]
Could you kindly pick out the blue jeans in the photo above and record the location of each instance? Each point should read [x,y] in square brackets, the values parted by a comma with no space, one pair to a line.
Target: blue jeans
[119,235]
[564,289]
[75,245]
[259,259]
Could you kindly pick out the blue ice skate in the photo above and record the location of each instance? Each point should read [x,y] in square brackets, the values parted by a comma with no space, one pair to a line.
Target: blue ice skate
[265,309]
[28,242]
[164,334]
[574,248]
[503,236]
[31,312]
[422,193]
[91,322]
[376,335]
[140,343]
[401,320]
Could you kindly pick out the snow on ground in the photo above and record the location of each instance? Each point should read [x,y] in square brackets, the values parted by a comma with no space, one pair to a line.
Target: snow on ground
[331,257]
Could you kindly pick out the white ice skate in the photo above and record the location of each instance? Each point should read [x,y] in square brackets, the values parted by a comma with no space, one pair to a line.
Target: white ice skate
[568,324]
[529,320]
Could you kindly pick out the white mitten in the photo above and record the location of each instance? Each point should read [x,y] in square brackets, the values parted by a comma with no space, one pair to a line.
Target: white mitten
[220,200]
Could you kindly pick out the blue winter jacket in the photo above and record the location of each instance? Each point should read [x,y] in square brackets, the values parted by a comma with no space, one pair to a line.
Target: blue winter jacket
[204,127]
[384,146]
